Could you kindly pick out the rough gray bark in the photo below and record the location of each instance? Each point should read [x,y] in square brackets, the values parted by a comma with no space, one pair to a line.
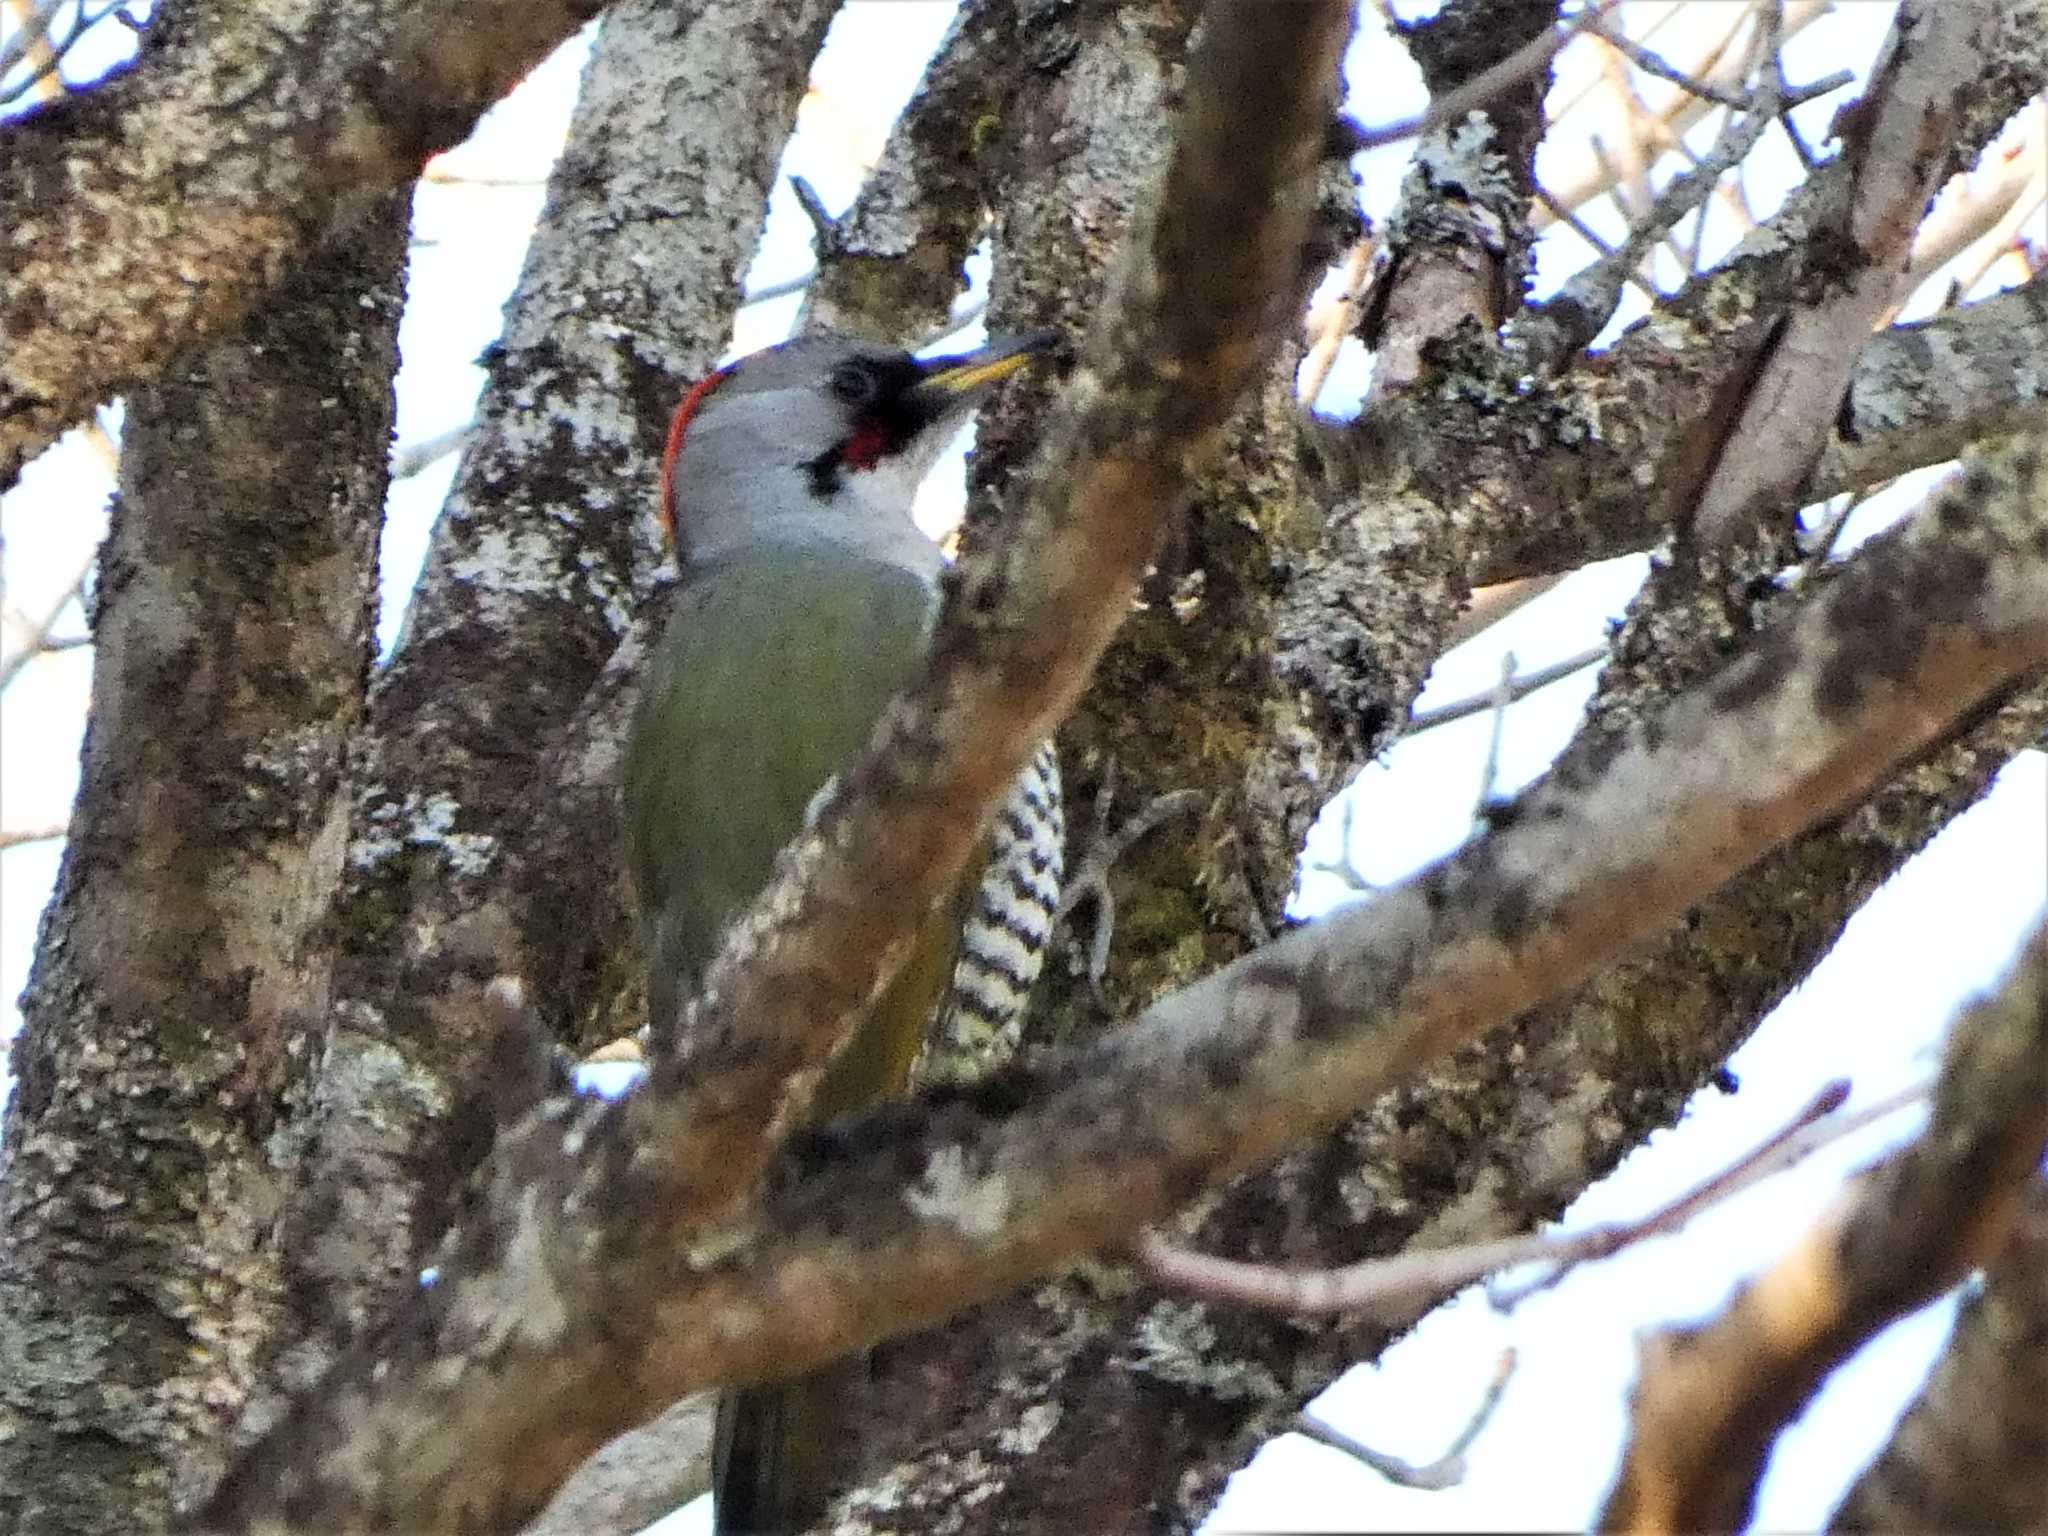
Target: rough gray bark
[149,213]
[174,1016]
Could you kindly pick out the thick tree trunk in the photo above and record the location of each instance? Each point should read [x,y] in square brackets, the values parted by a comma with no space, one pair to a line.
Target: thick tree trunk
[174,1018]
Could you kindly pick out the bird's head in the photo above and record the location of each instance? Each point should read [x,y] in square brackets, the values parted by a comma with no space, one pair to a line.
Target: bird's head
[822,437]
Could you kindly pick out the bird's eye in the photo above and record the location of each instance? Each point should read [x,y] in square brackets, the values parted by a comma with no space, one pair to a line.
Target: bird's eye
[853,384]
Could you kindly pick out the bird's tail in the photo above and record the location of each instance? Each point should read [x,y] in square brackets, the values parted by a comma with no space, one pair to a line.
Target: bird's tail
[776,1459]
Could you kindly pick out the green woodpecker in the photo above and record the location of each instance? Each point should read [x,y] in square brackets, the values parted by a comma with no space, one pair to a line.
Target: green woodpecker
[805,602]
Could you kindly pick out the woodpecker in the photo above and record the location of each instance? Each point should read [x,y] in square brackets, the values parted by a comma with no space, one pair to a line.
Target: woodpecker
[805,601]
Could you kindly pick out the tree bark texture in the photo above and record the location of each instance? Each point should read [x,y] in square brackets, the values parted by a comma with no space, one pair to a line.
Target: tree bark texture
[175,1015]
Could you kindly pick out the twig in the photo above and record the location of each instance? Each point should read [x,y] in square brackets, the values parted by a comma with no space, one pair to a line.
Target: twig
[22,837]
[1516,687]
[38,634]
[33,41]
[1335,324]
[1498,699]
[1813,1128]
[1772,32]
[823,225]
[1591,236]
[1448,1470]
[1404,1285]
[409,459]
[1569,319]
[1652,63]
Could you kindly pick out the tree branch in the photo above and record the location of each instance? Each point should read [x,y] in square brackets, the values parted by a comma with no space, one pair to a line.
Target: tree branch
[892,264]
[1631,467]
[150,212]
[1890,168]
[1710,1401]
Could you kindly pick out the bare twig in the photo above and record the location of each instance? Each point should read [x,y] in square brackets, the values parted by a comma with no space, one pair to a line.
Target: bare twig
[1653,63]
[1511,688]
[1329,328]
[1405,1285]
[1448,1470]
[1088,880]
[1576,185]
[34,42]
[823,225]
[1499,697]
[22,837]
[409,459]
[36,640]
[1581,307]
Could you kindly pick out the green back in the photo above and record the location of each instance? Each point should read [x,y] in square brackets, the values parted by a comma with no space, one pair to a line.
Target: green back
[771,675]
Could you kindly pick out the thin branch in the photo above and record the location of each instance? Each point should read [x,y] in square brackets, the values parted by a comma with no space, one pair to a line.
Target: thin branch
[409,459]
[1653,63]
[1328,329]
[23,837]
[1088,880]
[36,638]
[1405,1285]
[1557,329]
[823,226]
[1448,1470]
[1514,687]
[35,43]
[1498,700]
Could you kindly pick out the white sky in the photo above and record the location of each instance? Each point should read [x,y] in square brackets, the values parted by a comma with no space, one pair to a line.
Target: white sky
[1873,1011]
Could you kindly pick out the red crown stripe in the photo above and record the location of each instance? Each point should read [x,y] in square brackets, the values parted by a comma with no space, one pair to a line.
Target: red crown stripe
[679,423]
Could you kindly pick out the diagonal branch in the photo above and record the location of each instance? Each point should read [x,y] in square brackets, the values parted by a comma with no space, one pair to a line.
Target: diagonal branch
[1892,161]
[587,1288]
[146,214]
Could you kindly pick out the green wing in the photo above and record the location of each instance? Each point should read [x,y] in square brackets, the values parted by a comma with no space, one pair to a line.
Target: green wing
[770,677]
